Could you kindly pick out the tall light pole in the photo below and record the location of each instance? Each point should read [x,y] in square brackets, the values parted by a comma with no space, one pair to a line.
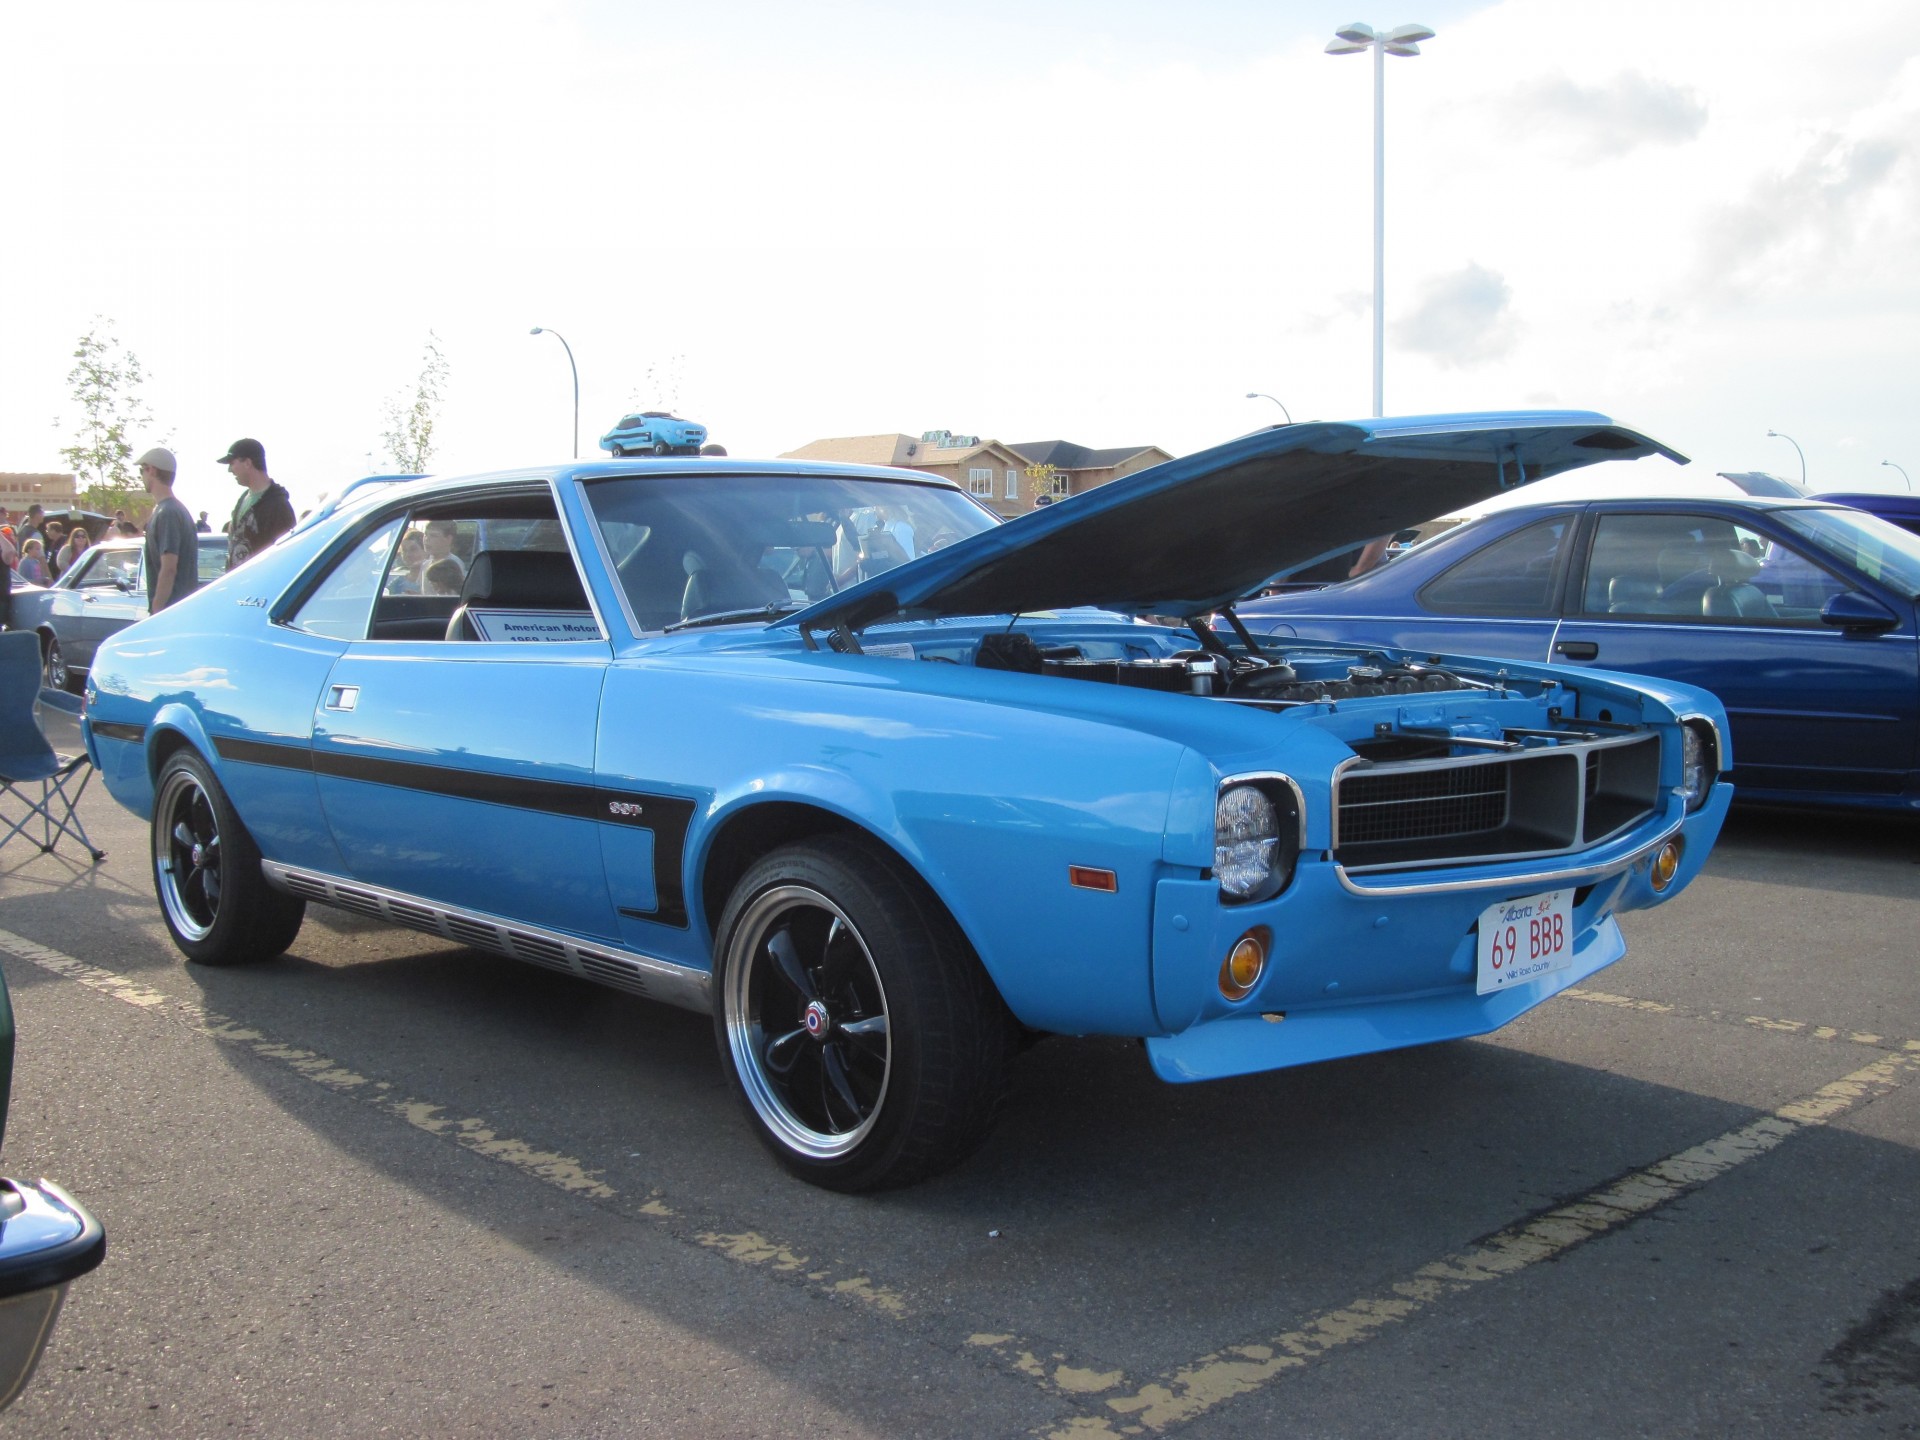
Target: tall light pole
[1262,395]
[1903,474]
[1401,40]
[542,330]
[1782,435]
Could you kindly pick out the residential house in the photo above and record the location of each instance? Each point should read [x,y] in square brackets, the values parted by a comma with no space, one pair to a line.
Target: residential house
[1009,478]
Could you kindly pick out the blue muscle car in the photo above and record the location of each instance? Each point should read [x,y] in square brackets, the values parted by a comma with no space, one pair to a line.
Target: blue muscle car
[712,732]
[656,431]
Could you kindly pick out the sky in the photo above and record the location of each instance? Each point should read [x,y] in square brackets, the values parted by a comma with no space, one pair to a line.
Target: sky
[1104,221]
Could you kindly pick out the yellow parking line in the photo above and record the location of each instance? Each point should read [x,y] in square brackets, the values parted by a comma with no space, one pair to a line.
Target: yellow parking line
[1194,1389]
[564,1172]
[1757,1022]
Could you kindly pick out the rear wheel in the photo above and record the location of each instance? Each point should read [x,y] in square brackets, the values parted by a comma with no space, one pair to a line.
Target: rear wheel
[660,447]
[206,871]
[857,1026]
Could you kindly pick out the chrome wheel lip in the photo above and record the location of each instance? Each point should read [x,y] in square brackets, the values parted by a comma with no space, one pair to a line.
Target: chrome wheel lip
[173,808]
[745,1036]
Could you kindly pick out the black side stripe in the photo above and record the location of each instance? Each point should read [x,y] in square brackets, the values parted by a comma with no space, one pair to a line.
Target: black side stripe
[667,816]
[115,730]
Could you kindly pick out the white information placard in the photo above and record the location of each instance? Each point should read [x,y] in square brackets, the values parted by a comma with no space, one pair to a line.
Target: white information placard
[533,625]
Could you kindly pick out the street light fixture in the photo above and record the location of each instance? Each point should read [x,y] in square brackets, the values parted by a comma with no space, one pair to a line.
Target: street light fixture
[1782,435]
[1903,473]
[1401,40]
[542,330]
[1262,395]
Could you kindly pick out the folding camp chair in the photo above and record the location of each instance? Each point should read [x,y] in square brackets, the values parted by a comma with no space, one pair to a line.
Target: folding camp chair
[47,784]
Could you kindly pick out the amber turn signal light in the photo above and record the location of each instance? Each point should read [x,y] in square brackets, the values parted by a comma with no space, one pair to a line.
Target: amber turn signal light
[1665,865]
[1244,965]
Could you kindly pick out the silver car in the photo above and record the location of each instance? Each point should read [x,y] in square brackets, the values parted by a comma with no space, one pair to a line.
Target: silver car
[101,593]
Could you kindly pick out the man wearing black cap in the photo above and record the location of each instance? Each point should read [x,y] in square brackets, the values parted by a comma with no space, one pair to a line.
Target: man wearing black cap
[264,511]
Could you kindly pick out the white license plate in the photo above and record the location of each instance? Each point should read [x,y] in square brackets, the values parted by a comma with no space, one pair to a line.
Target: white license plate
[1521,940]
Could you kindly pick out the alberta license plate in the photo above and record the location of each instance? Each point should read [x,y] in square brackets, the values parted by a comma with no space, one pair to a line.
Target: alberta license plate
[1521,940]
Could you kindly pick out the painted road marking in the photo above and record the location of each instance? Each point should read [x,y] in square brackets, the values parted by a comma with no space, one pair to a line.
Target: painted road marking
[1191,1390]
[1757,1022]
[564,1172]
[1194,1389]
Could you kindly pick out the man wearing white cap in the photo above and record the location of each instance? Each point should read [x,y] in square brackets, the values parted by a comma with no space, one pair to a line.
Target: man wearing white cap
[173,549]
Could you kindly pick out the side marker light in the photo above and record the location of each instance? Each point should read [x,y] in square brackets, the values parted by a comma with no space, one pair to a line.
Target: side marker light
[1665,865]
[1244,965]
[1085,877]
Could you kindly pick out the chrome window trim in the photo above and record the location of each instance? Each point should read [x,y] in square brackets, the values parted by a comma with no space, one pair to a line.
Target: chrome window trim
[614,966]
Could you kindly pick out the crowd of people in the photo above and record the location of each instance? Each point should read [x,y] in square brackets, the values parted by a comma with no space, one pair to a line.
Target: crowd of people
[37,548]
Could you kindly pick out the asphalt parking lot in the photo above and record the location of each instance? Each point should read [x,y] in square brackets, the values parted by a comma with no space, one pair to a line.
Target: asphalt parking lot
[386,1185]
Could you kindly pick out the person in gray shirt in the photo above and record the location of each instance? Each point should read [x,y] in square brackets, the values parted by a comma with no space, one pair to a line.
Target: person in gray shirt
[173,549]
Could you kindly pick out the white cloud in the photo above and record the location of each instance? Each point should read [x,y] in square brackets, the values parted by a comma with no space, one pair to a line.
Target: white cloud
[1601,121]
[1461,318]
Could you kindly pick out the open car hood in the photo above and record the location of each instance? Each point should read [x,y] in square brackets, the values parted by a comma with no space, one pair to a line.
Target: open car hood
[1195,534]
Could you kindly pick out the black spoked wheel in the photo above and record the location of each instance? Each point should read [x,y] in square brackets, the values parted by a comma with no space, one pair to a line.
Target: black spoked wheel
[206,871]
[808,1022]
[859,1030]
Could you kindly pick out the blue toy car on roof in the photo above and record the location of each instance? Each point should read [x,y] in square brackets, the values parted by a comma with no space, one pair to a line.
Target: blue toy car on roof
[655,432]
[733,735]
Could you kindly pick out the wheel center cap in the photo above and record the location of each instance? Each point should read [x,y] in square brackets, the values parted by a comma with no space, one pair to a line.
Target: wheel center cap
[817,1020]
[199,856]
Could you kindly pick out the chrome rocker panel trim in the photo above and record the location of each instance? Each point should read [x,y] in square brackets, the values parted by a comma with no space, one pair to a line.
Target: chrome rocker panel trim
[621,969]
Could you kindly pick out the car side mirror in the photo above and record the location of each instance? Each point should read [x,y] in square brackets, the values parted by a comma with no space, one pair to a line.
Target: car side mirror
[124,584]
[47,1241]
[1853,610]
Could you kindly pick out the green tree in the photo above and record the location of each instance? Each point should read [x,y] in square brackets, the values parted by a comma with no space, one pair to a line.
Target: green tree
[105,382]
[409,433]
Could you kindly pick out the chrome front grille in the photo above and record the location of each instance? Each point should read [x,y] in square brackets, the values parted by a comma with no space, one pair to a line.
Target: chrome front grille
[1545,801]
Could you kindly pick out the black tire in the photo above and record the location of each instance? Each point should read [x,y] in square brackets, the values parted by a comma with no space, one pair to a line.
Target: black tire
[619,452]
[660,447]
[218,906]
[858,1029]
[59,675]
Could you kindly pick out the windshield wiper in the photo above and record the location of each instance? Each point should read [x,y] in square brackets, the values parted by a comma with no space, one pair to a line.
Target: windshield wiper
[729,617]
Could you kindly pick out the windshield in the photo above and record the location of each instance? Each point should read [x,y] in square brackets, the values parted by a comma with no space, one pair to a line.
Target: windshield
[686,547]
[1876,548]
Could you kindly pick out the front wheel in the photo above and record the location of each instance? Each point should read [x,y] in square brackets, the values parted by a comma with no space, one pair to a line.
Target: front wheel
[59,677]
[619,452]
[660,447]
[206,871]
[857,1026]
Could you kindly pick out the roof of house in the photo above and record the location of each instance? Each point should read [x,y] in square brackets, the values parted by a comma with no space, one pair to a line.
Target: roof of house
[1065,455]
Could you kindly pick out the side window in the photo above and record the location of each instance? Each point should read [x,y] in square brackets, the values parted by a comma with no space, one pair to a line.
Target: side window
[1512,576]
[1700,567]
[110,570]
[340,607]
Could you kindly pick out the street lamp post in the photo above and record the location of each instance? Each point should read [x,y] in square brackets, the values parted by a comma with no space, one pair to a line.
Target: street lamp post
[542,330]
[1401,40]
[1782,435]
[1262,395]
[1903,473]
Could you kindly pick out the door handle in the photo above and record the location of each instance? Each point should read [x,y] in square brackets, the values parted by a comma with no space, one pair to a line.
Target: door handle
[1577,649]
[342,697]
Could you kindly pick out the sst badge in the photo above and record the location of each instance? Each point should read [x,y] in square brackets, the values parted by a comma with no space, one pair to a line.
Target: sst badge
[1521,940]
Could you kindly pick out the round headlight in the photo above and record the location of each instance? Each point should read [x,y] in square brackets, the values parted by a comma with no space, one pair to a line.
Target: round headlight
[1697,764]
[1246,830]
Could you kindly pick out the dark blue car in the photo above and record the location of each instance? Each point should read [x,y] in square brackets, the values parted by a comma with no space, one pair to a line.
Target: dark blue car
[1799,615]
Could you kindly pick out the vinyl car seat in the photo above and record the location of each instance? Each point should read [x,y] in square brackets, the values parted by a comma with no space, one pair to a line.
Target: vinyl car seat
[712,590]
[516,580]
[1735,594]
[1632,595]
